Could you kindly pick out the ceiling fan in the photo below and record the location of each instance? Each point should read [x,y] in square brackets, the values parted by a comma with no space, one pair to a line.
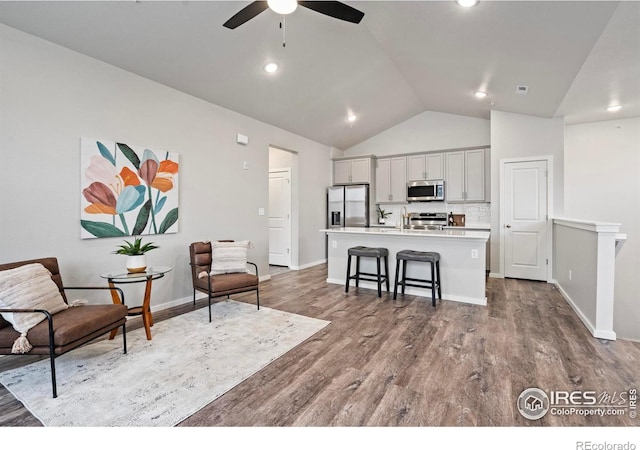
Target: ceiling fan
[337,10]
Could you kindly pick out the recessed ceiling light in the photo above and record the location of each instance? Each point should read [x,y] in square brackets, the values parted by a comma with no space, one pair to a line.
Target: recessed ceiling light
[270,67]
[480,94]
[614,108]
[351,118]
[467,3]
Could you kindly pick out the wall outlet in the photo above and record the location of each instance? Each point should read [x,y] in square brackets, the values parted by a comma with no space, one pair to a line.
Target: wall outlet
[261,211]
[474,253]
[570,276]
[245,165]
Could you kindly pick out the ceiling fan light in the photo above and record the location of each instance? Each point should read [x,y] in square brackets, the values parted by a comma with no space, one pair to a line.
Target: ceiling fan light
[351,118]
[614,108]
[283,6]
[480,94]
[467,3]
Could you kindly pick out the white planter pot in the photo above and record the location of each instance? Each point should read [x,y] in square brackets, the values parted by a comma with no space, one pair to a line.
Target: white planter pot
[136,263]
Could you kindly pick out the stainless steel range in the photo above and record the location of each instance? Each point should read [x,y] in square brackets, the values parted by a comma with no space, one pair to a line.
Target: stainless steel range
[427,221]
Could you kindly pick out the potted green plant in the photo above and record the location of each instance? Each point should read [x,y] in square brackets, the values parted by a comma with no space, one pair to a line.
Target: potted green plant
[382,215]
[136,258]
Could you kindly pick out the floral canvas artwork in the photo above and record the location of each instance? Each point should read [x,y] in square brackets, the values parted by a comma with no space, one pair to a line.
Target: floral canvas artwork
[126,190]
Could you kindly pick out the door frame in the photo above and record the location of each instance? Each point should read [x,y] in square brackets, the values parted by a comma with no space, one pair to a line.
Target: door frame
[549,228]
[290,184]
[295,205]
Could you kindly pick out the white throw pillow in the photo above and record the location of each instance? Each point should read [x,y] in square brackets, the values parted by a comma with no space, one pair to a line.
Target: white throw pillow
[229,257]
[28,287]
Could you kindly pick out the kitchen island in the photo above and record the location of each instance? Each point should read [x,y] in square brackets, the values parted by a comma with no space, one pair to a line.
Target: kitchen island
[462,258]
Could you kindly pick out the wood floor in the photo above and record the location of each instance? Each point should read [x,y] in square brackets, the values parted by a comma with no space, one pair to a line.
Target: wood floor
[405,363]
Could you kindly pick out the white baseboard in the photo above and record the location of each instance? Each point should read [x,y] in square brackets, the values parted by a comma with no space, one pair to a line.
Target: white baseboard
[415,291]
[177,302]
[600,334]
[495,275]
[311,264]
[264,278]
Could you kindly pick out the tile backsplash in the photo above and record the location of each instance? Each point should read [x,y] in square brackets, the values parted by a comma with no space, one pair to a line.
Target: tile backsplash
[475,212]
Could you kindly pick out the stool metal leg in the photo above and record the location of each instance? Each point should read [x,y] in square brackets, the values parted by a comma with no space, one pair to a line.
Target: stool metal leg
[379,278]
[357,271]
[395,285]
[386,271]
[433,284]
[346,287]
[404,275]
[438,274]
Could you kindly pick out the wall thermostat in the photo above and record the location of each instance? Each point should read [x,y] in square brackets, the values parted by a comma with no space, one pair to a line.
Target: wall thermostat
[242,139]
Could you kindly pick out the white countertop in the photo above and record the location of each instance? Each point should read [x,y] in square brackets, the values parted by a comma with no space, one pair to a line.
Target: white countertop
[456,232]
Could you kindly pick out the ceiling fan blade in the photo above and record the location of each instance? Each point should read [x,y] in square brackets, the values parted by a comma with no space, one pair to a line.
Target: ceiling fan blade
[247,13]
[337,10]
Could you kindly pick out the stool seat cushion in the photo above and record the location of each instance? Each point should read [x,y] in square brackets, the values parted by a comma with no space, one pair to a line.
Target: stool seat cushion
[412,255]
[375,252]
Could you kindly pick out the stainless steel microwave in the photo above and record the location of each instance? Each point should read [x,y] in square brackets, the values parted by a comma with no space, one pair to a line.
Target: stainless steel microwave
[425,191]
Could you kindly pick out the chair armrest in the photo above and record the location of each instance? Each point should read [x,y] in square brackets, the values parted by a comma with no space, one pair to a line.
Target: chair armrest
[21,310]
[103,288]
[254,265]
[47,315]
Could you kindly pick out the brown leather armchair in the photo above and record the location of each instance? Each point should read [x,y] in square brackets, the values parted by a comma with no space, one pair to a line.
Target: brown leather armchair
[218,285]
[65,330]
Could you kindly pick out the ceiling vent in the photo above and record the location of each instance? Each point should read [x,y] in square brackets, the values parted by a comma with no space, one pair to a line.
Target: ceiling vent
[522,90]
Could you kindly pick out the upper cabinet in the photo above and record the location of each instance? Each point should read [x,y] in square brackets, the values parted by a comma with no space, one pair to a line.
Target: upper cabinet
[352,171]
[465,176]
[429,166]
[391,180]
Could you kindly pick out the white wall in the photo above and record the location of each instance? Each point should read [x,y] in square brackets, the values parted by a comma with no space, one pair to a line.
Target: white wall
[575,250]
[425,132]
[280,159]
[602,183]
[51,96]
[518,136]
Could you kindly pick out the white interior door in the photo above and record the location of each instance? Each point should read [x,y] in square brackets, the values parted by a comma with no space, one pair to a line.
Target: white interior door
[280,217]
[525,220]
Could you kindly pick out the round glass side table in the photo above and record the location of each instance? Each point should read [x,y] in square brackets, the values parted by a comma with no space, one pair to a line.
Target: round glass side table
[120,277]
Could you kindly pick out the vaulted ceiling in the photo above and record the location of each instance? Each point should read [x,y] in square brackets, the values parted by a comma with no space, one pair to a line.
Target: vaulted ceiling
[403,58]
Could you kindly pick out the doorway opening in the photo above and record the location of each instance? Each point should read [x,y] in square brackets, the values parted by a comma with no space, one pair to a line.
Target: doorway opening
[283,219]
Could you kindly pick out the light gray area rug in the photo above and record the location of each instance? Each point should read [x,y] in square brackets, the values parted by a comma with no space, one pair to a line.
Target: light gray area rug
[188,364]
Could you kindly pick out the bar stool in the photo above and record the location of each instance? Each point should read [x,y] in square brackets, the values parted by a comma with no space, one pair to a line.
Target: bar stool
[368,252]
[432,258]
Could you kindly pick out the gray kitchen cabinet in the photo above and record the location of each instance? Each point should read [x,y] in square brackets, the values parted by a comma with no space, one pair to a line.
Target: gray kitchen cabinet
[428,166]
[391,180]
[352,171]
[465,176]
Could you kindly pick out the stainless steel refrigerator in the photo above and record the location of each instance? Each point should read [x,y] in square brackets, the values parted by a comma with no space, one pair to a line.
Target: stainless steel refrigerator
[348,206]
